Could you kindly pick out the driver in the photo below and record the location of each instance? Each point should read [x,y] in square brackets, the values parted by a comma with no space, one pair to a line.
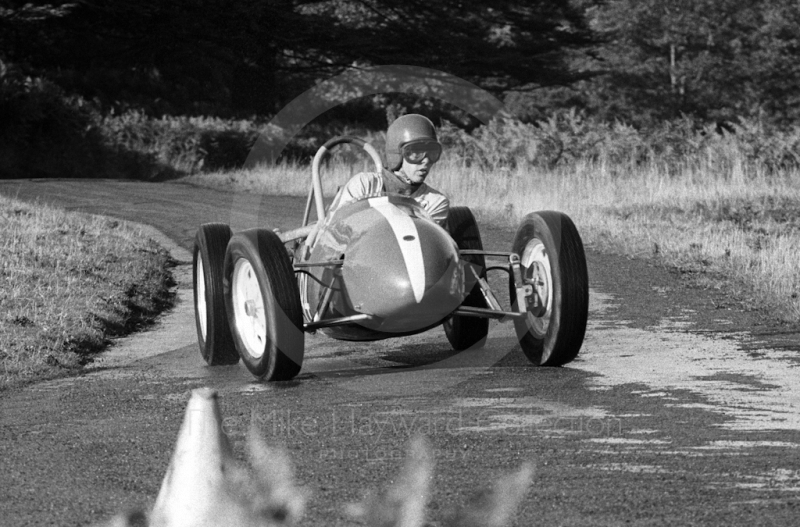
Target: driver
[411,151]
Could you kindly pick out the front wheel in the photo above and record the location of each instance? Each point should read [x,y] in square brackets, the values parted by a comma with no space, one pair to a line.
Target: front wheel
[263,305]
[553,264]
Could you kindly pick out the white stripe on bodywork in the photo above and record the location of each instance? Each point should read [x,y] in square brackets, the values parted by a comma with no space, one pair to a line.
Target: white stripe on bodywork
[402,226]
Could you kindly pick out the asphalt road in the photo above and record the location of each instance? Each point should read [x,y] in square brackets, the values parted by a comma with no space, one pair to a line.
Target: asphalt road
[681,409]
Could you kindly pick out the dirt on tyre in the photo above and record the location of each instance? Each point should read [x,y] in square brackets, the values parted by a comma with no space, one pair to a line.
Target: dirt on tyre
[467,332]
[263,305]
[553,262]
[213,334]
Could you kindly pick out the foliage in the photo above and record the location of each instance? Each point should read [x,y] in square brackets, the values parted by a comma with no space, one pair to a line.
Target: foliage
[201,144]
[205,144]
[570,137]
[715,60]
[47,133]
[188,144]
[119,89]
[36,117]
[224,57]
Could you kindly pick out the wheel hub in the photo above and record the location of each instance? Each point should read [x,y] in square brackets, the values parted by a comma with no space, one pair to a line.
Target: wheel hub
[540,292]
[248,308]
[538,275]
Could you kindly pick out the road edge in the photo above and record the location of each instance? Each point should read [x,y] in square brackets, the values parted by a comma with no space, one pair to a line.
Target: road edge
[174,328]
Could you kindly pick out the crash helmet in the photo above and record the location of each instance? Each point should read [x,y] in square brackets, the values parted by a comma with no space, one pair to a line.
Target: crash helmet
[406,129]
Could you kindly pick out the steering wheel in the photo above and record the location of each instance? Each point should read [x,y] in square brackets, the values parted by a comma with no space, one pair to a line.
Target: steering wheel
[316,182]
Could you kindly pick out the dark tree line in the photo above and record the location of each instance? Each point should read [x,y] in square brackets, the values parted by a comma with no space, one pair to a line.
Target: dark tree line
[714,60]
[629,59]
[251,55]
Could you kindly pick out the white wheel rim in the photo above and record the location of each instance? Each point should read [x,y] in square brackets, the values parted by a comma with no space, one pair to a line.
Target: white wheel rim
[250,320]
[536,271]
[202,308]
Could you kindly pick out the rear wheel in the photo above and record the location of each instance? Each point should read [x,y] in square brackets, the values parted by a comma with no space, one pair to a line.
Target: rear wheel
[553,263]
[466,332]
[213,334]
[263,305]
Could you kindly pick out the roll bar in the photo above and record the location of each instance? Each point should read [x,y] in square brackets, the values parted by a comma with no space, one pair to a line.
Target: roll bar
[315,193]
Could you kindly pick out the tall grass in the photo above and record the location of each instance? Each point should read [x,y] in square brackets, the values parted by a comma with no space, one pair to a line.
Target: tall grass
[711,224]
[284,179]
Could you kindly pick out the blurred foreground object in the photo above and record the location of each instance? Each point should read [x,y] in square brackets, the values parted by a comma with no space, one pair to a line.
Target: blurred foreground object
[206,486]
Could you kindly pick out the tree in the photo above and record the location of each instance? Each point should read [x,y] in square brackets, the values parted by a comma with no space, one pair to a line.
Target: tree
[253,55]
[499,45]
[177,56]
[713,59]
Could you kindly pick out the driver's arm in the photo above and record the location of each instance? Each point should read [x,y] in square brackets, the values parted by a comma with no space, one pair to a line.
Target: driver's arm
[360,186]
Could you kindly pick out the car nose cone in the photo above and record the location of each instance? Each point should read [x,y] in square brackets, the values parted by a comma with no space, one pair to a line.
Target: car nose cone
[405,271]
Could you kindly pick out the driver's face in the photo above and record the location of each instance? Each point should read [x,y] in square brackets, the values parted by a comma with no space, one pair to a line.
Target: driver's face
[416,173]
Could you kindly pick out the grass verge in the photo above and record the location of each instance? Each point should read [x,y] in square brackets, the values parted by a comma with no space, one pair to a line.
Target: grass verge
[70,282]
[735,227]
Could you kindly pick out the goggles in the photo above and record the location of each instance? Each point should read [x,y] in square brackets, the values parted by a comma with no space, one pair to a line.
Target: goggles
[414,153]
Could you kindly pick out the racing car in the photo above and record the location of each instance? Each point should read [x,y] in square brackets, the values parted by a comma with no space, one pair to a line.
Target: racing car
[380,268]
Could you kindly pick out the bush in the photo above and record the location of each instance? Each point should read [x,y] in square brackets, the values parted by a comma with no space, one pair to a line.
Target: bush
[46,133]
[202,144]
[41,130]
[199,144]
[568,137]
[187,144]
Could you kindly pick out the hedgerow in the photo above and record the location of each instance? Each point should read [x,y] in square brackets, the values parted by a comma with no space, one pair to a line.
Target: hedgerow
[197,144]
[46,132]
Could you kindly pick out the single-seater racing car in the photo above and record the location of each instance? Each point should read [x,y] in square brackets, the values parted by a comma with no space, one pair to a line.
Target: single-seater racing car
[378,268]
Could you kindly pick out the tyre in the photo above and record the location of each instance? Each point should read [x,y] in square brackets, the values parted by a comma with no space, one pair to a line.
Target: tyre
[466,332]
[213,333]
[263,305]
[553,261]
